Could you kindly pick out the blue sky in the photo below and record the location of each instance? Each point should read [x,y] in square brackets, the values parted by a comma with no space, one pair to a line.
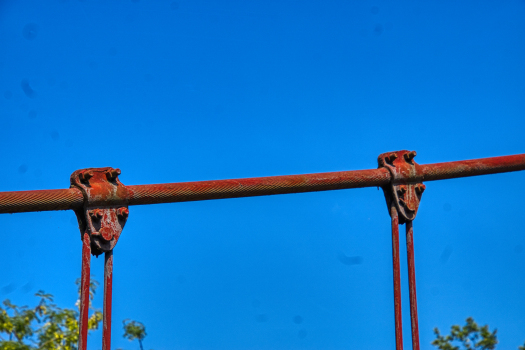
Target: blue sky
[172,91]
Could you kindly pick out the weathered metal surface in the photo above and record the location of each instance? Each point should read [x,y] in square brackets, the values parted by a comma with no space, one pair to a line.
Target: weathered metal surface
[84,292]
[412,285]
[108,291]
[102,221]
[40,200]
[473,167]
[403,196]
[101,201]
[397,277]
[260,186]
[405,188]
[44,200]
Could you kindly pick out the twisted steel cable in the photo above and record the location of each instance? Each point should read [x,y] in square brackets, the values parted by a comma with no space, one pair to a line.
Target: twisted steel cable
[41,200]
[260,186]
[64,199]
[473,167]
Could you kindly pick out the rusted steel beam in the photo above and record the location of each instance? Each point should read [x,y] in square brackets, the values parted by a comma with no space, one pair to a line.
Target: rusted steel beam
[44,200]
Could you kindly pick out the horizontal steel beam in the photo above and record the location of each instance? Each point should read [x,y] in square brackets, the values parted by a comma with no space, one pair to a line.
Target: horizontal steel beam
[45,200]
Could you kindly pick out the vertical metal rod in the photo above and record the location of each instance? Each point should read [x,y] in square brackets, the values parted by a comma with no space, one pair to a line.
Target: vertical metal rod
[84,292]
[397,276]
[108,287]
[412,285]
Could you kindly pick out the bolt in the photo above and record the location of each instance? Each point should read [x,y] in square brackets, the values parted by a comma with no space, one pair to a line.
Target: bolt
[123,212]
[420,188]
[85,175]
[410,155]
[112,174]
[390,158]
[96,214]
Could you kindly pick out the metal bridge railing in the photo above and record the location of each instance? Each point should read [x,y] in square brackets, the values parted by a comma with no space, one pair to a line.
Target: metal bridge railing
[100,202]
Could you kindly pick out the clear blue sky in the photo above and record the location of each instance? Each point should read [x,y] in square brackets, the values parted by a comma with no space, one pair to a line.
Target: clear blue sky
[172,91]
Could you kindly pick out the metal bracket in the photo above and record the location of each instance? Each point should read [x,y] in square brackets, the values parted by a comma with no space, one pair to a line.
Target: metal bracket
[103,223]
[406,187]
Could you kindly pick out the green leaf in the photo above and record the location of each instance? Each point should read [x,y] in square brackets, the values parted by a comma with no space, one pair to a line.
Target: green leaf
[468,337]
[50,327]
[134,330]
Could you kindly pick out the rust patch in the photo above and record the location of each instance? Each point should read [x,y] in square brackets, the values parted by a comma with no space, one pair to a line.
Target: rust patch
[405,188]
[412,285]
[84,292]
[100,219]
[108,291]
[397,278]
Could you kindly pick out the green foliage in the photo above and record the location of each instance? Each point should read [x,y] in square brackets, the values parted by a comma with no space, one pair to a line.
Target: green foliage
[49,327]
[134,330]
[46,327]
[469,337]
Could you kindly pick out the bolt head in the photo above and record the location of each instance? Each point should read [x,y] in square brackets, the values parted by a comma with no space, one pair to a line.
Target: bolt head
[410,155]
[85,176]
[123,212]
[420,188]
[390,158]
[112,174]
[96,214]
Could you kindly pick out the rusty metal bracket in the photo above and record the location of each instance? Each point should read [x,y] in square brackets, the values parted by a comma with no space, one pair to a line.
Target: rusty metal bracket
[102,222]
[403,195]
[406,187]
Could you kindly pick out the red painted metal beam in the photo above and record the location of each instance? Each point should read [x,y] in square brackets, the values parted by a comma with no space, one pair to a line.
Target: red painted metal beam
[411,262]
[108,292]
[44,200]
[84,292]
[397,277]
